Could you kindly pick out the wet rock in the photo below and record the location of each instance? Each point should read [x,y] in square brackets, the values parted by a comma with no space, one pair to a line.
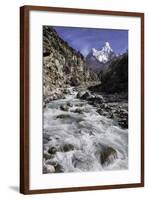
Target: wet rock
[69,104]
[100,111]
[53,96]
[108,155]
[68,147]
[108,115]
[80,104]
[45,141]
[99,98]
[123,123]
[105,113]
[123,113]
[44,170]
[46,136]
[78,110]
[50,168]
[86,95]
[64,107]
[105,106]
[58,168]
[91,133]
[80,94]
[52,150]
[44,105]
[47,156]
[118,111]
[63,116]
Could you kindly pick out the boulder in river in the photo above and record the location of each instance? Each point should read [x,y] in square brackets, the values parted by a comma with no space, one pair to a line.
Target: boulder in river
[78,110]
[58,167]
[86,95]
[50,168]
[68,147]
[52,150]
[45,141]
[63,116]
[123,122]
[108,155]
[80,94]
[64,107]
[69,104]
[47,156]
[99,99]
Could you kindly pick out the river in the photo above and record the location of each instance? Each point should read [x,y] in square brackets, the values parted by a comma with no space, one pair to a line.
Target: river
[75,140]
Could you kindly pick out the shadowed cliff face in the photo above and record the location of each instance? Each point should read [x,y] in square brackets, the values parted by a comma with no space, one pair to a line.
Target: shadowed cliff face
[61,63]
[114,78]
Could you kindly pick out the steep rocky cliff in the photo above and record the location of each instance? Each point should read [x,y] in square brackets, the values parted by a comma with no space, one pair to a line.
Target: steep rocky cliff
[114,78]
[62,65]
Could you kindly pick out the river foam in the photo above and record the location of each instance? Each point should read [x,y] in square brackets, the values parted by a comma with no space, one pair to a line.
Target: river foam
[87,132]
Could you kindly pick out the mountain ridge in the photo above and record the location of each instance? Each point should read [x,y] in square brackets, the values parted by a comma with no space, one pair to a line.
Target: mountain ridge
[97,59]
[114,78]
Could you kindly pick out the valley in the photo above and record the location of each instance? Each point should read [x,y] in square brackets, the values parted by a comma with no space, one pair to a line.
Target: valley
[85,112]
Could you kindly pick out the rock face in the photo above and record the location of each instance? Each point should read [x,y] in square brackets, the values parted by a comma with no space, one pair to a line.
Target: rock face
[61,63]
[115,77]
[108,155]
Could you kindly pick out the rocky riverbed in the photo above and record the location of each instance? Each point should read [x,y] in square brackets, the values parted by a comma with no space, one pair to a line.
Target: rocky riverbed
[84,131]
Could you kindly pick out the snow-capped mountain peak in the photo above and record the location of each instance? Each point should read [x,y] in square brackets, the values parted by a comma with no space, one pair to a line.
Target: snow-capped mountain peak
[97,59]
[104,54]
[107,47]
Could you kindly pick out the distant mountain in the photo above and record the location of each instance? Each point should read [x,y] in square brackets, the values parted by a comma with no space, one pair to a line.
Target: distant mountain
[97,59]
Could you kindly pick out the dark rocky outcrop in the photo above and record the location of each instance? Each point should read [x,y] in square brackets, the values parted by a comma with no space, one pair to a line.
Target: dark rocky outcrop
[54,165]
[108,155]
[64,107]
[63,116]
[68,147]
[115,78]
[52,150]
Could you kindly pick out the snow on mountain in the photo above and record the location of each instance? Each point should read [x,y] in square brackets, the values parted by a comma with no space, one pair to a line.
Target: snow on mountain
[104,54]
[96,59]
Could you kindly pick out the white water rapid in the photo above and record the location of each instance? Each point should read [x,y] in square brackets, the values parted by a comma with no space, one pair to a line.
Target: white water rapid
[87,133]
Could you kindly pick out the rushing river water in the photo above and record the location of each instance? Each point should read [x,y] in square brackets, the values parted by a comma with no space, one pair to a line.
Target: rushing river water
[86,133]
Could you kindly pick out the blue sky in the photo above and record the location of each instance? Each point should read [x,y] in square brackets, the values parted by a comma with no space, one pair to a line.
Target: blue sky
[83,39]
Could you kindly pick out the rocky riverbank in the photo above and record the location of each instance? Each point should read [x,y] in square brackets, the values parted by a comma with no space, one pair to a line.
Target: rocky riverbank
[113,106]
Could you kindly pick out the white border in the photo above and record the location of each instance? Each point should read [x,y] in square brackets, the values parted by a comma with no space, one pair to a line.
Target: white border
[47,181]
